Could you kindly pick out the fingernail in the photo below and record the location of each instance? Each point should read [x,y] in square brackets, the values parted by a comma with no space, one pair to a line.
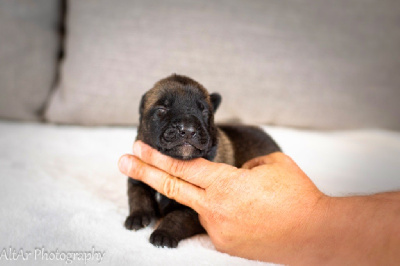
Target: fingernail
[137,149]
[123,164]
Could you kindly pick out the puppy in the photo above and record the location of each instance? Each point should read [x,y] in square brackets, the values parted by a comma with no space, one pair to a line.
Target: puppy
[177,119]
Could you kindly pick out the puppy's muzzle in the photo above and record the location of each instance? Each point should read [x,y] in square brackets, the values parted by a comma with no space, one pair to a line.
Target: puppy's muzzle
[185,131]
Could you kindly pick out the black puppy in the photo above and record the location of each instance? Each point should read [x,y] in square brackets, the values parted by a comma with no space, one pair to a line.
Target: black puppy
[177,118]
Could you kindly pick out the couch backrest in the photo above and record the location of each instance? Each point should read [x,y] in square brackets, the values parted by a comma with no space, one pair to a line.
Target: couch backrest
[29,46]
[303,63]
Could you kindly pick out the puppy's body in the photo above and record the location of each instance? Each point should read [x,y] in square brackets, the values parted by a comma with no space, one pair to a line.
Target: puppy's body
[177,118]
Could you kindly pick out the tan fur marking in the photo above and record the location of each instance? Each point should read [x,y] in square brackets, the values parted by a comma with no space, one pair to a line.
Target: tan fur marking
[225,152]
[155,93]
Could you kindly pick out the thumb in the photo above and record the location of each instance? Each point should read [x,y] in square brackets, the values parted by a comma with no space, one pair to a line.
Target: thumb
[271,158]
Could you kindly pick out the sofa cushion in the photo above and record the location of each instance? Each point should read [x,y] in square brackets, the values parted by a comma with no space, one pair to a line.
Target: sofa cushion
[314,64]
[28,54]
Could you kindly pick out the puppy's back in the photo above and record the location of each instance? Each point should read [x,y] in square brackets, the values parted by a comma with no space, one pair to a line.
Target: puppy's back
[248,142]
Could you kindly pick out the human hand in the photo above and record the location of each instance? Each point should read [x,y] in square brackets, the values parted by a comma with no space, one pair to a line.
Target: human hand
[251,212]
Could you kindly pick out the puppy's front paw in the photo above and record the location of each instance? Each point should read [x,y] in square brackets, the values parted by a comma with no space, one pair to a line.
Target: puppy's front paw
[161,238]
[137,221]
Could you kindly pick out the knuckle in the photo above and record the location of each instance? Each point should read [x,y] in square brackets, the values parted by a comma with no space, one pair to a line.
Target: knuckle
[281,157]
[177,167]
[171,187]
[221,239]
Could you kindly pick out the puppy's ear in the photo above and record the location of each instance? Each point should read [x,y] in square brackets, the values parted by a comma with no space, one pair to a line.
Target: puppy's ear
[215,99]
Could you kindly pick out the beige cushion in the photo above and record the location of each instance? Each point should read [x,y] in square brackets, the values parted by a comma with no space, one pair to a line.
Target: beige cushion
[316,64]
[28,53]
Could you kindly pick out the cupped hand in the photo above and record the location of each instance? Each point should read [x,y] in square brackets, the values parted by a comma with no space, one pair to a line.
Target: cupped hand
[249,212]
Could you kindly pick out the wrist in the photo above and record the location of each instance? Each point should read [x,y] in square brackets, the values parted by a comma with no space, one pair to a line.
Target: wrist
[351,230]
[309,241]
[299,242]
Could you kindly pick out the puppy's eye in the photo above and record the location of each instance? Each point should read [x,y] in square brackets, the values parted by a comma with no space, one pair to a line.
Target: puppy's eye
[201,106]
[161,111]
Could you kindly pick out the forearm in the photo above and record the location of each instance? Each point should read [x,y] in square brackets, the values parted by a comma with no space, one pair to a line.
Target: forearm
[353,230]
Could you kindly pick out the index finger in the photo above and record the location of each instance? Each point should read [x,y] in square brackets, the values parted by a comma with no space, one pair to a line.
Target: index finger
[168,185]
[199,172]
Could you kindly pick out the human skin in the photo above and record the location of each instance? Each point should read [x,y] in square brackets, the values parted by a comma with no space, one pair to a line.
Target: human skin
[270,210]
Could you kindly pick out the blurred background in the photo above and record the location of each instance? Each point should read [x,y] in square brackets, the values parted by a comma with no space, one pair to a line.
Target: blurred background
[297,63]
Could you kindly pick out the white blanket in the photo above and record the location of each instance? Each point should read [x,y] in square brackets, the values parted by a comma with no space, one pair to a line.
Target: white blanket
[61,191]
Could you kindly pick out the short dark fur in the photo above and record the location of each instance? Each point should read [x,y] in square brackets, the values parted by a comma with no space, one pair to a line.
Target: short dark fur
[177,118]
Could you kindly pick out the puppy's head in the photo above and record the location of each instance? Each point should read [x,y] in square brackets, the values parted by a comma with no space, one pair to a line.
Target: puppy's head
[177,118]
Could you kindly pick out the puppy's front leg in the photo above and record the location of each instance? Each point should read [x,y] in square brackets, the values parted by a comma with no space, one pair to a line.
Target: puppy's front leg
[176,225]
[142,205]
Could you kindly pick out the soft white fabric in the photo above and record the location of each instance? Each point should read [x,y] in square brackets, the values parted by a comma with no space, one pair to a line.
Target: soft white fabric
[61,189]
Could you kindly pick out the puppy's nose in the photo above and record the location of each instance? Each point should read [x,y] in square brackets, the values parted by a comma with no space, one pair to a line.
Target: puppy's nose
[186,130]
